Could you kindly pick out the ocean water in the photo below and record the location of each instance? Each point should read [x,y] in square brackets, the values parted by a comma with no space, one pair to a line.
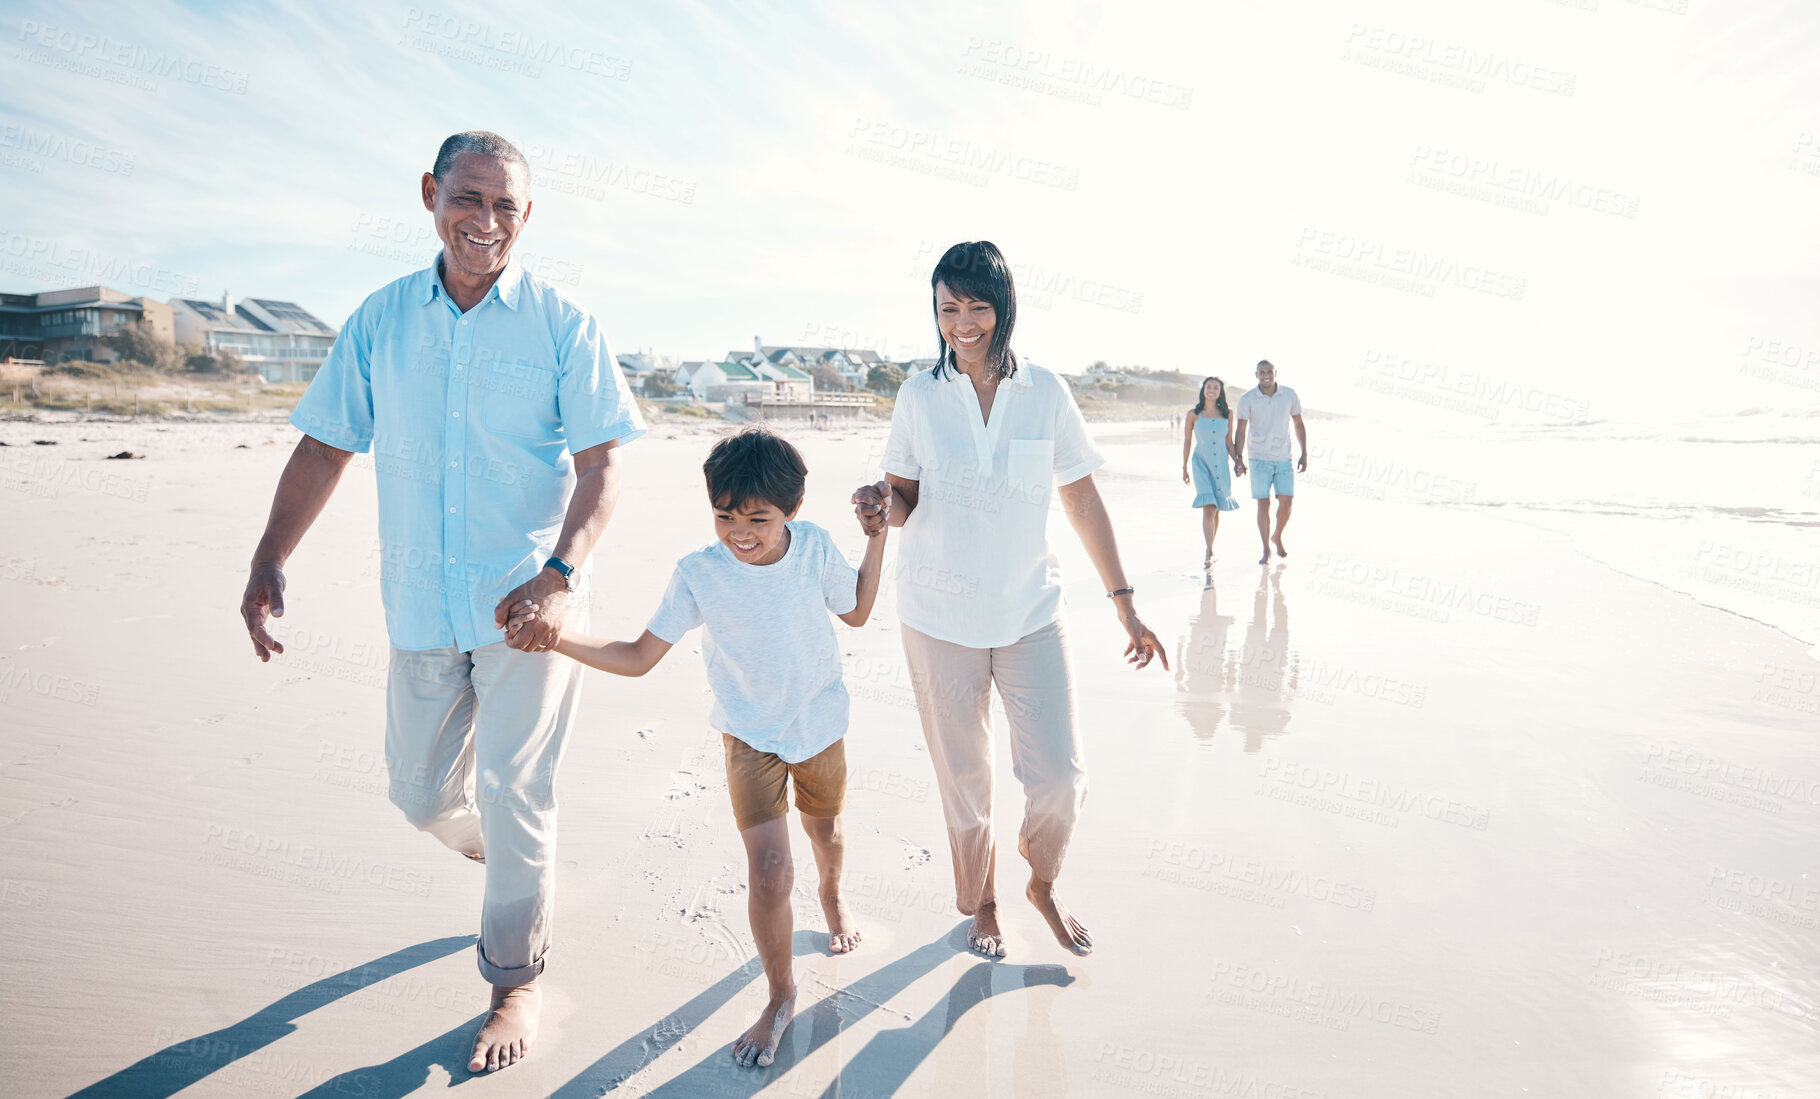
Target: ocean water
[1723,509]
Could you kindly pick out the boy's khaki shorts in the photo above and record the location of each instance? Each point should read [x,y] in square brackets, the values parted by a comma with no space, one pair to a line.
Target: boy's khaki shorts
[756,780]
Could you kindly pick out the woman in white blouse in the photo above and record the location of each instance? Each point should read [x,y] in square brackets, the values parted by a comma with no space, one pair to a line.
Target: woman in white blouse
[977,444]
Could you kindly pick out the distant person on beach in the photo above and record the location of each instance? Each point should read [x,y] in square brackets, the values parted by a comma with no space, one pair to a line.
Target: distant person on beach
[493,408]
[977,443]
[1207,432]
[762,593]
[1263,450]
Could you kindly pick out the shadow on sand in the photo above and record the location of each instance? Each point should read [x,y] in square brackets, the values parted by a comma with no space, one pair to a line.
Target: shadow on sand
[879,1068]
[183,1063]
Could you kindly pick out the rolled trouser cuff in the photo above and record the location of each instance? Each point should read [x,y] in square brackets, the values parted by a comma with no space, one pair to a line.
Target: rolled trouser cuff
[499,976]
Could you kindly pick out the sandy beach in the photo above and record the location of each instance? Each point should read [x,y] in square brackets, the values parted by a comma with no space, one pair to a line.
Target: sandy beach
[1441,806]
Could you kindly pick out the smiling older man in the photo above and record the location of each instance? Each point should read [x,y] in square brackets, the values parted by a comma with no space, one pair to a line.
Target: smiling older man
[494,409]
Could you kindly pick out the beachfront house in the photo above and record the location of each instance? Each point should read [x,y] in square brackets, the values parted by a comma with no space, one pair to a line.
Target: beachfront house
[640,366]
[61,325]
[282,340]
[852,367]
[726,381]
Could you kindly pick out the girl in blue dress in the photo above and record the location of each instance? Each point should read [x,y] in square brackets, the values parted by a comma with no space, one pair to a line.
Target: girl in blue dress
[1208,433]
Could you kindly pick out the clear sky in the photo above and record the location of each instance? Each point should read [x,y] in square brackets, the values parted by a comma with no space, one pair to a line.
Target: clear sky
[1607,201]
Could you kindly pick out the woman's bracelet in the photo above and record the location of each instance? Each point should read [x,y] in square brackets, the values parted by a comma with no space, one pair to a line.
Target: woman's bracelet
[1121,591]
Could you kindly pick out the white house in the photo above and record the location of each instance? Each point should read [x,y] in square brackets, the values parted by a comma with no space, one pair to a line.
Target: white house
[280,339]
[640,365]
[851,366]
[726,381]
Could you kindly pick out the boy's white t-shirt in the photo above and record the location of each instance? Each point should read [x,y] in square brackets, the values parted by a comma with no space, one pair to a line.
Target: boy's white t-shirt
[773,661]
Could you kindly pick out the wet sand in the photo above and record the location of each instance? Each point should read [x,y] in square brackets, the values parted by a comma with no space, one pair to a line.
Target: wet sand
[1437,807]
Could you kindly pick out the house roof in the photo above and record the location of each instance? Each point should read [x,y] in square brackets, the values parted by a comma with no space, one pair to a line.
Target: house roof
[737,372]
[804,354]
[293,317]
[789,372]
[217,317]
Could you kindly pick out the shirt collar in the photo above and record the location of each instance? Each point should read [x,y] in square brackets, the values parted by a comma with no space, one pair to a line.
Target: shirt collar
[508,288]
[1022,377]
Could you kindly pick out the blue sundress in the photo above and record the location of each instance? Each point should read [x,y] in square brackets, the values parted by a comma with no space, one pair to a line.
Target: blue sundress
[1212,469]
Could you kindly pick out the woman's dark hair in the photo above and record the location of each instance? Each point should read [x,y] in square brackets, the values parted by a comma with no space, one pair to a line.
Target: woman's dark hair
[754,464]
[976,270]
[1219,406]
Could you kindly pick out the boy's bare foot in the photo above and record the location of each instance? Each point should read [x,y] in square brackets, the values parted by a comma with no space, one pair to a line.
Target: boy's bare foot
[984,936]
[1068,930]
[843,933]
[758,1046]
[506,1033]
[1281,552]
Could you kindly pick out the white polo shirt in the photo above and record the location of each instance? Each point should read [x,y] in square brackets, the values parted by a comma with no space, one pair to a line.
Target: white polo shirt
[1267,439]
[973,565]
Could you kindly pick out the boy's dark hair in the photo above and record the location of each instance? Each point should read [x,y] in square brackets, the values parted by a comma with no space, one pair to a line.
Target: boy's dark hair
[753,464]
[975,270]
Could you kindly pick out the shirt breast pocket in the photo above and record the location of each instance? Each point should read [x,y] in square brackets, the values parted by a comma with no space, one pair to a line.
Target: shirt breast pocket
[1030,469]
[518,400]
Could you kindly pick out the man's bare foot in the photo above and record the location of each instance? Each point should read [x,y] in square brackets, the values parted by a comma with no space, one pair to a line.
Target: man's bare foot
[843,933]
[758,1046]
[984,936]
[1281,552]
[1068,930]
[1265,560]
[506,1033]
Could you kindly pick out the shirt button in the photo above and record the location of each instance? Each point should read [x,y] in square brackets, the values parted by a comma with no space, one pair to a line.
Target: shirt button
[458,366]
[452,465]
[464,320]
[451,560]
[458,415]
[451,511]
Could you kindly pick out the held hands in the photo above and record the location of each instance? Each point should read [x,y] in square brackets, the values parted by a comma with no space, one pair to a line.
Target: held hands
[538,632]
[872,504]
[1144,644]
[523,613]
[264,594]
[1238,466]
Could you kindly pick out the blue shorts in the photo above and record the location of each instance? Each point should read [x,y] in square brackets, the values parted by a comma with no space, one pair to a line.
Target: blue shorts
[1267,474]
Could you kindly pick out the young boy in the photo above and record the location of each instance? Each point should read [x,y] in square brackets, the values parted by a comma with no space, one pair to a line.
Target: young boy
[762,593]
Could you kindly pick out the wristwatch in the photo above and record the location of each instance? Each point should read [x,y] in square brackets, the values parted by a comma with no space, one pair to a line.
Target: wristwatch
[564,570]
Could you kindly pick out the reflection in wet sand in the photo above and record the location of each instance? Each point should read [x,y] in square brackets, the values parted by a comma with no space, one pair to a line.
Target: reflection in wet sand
[1255,682]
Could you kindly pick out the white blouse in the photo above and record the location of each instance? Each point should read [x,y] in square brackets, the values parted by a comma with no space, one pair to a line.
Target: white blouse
[974,566]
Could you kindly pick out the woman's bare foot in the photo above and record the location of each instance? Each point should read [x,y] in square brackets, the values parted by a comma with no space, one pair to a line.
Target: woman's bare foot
[506,1033]
[1207,562]
[984,936]
[1068,930]
[843,933]
[758,1046]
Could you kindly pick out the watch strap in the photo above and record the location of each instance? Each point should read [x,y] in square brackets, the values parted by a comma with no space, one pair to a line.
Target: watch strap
[563,569]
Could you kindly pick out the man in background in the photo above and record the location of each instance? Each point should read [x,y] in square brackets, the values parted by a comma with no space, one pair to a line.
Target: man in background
[1265,414]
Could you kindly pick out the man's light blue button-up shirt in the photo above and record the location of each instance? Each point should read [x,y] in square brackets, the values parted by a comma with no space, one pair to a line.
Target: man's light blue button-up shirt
[473,419]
